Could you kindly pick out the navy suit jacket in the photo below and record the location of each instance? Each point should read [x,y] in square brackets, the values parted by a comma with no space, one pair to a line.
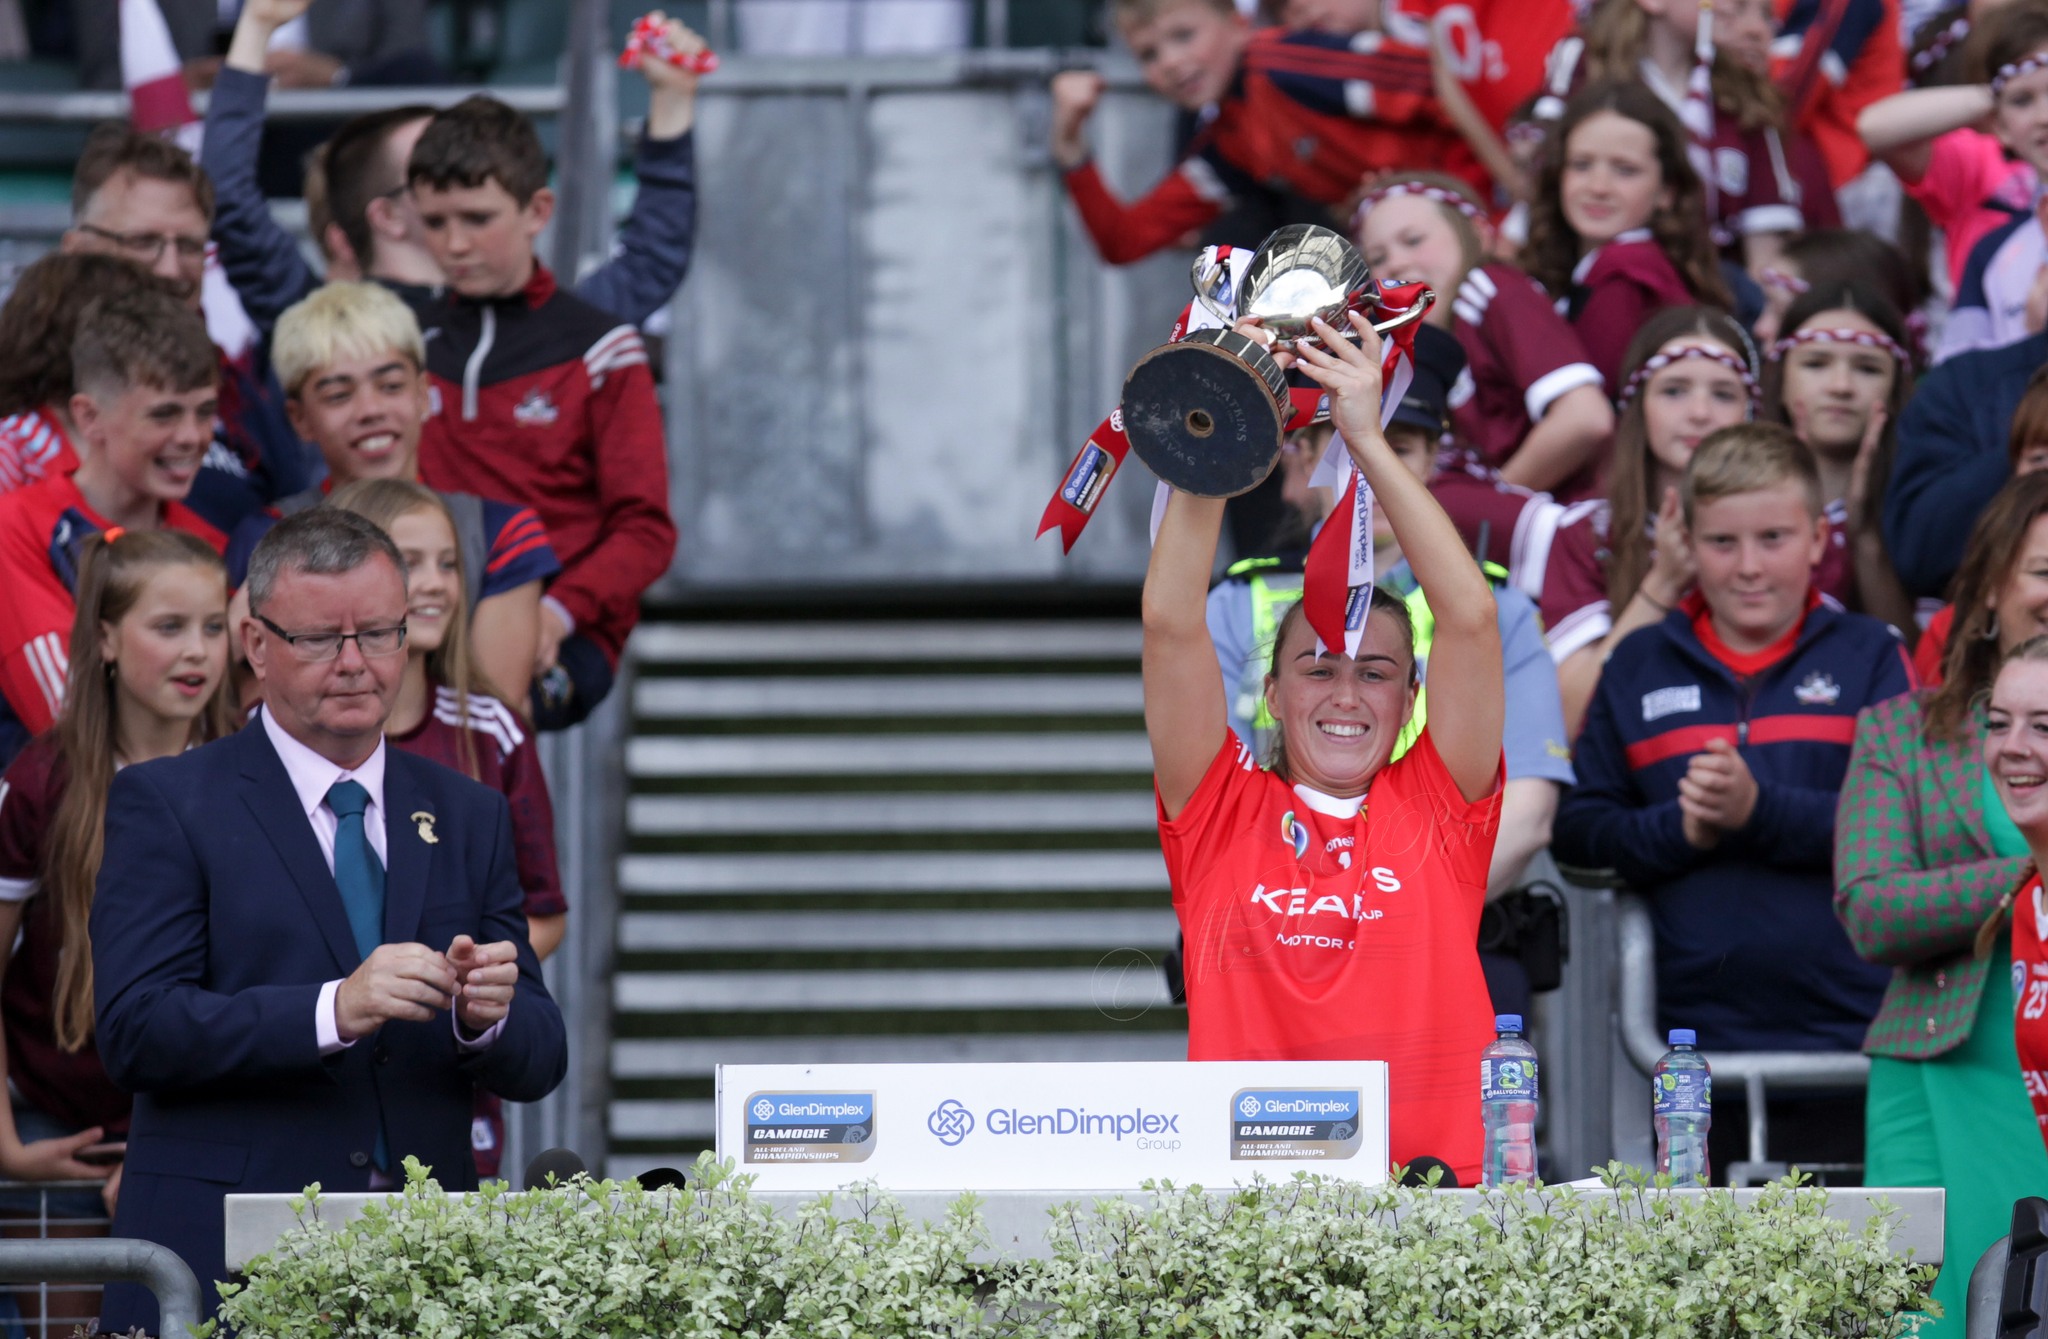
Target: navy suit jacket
[214,925]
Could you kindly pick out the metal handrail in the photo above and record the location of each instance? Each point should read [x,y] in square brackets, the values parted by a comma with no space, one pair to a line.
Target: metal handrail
[284,104]
[108,1260]
[1756,1071]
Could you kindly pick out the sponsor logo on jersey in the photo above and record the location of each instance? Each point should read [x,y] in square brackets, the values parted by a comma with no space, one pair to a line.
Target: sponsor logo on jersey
[1818,690]
[1295,833]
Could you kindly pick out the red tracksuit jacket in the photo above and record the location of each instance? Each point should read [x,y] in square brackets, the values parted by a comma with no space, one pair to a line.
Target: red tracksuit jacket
[544,400]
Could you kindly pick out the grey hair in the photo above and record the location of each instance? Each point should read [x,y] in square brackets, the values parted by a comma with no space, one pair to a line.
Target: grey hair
[320,541]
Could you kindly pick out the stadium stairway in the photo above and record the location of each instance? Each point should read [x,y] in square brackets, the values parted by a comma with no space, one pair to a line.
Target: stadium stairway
[880,840]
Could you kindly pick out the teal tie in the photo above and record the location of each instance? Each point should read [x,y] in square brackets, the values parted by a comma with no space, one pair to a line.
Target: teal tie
[360,877]
[357,871]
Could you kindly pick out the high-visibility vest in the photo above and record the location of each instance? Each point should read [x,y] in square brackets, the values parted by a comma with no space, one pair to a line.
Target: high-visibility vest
[1273,592]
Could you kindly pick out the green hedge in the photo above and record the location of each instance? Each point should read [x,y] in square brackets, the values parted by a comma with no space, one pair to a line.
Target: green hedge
[1309,1258]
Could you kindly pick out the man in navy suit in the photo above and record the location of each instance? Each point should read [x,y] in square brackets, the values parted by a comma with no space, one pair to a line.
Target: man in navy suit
[308,948]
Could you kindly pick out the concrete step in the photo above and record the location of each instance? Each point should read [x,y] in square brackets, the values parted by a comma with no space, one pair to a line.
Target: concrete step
[778,698]
[1112,987]
[1075,752]
[738,815]
[999,641]
[913,872]
[661,1058]
[911,931]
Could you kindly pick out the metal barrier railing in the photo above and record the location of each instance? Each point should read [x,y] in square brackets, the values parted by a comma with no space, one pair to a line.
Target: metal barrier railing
[108,1260]
[47,1306]
[1759,1072]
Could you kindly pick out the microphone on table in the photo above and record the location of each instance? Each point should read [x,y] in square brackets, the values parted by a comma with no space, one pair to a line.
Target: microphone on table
[1417,1173]
[661,1178]
[560,1163]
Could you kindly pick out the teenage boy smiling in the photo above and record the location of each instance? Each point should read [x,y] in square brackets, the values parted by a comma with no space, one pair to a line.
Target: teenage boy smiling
[538,397]
[1712,759]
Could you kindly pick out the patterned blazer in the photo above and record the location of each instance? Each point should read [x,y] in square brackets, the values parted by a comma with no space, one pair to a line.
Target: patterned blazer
[1915,876]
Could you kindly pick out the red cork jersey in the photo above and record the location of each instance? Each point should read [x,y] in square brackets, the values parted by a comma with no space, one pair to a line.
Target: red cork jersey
[1323,929]
[41,527]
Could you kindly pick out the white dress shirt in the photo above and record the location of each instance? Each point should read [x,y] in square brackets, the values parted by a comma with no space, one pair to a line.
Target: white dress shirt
[312,776]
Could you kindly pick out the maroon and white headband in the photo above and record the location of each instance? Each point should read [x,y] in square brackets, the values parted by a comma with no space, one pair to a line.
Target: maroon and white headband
[1944,42]
[1869,339]
[1657,362]
[1434,194]
[2007,73]
[1770,276]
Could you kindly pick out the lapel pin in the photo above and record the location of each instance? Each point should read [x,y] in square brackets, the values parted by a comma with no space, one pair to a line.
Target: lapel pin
[426,822]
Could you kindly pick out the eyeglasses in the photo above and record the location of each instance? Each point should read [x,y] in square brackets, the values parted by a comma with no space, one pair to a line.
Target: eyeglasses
[148,247]
[316,646]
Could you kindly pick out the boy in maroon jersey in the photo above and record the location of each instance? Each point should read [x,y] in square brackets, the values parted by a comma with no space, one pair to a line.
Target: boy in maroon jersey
[540,398]
[1308,112]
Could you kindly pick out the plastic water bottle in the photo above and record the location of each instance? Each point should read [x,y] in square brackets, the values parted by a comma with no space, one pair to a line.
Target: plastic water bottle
[1683,1110]
[1507,1103]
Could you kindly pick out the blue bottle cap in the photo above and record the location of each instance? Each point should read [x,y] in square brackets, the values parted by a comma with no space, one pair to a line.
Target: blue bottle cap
[1683,1036]
[1507,1022]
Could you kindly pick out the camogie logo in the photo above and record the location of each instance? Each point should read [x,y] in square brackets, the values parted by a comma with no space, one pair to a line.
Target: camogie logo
[1295,834]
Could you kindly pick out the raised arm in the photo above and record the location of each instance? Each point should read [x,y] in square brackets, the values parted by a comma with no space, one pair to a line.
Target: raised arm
[656,240]
[1902,128]
[1465,658]
[1185,716]
[262,260]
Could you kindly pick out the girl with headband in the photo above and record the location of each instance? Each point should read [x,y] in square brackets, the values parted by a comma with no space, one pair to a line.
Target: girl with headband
[1534,414]
[1619,565]
[1618,227]
[1762,181]
[1934,137]
[2003,296]
[1839,378]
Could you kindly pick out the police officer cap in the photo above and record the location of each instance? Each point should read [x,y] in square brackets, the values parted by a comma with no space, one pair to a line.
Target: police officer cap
[1439,362]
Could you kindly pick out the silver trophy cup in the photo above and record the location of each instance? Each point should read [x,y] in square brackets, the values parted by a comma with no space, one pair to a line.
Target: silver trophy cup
[1207,414]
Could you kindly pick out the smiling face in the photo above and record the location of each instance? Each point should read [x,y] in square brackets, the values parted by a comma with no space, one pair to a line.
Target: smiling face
[433,577]
[2020,116]
[1692,397]
[2021,603]
[1831,388]
[144,441]
[335,707]
[1340,717]
[1187,52]
[2016,743]
[1611,181]
[170,649]
[365,415]
[1756,553]
[1407,237]
[480,236]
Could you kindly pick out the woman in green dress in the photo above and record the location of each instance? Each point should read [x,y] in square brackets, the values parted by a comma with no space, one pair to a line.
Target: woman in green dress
[1924,854]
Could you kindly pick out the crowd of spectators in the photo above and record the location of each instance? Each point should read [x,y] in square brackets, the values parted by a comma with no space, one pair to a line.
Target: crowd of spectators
[1745,304]
[1732,388]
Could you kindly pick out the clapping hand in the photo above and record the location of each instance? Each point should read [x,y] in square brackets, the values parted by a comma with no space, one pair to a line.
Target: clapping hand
[1717,793]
